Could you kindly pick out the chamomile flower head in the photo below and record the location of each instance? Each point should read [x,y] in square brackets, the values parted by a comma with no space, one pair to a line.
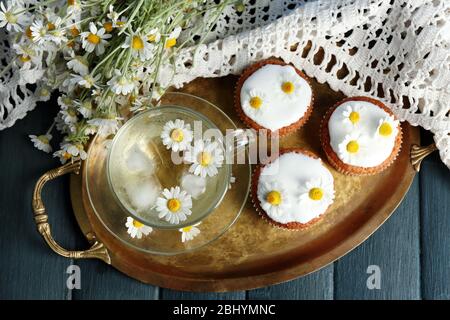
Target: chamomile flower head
[352,115]
[190,232]
[177,135]
[137,229]
[352,147]
[273,198]
[55,30]
[65,102]
[69,115]
[87,81]
[42,142]
[74,7]
[12,17]
[94,39]
[317,191]
[106,125]
[72,151]
[289,85]
[254,102]
[174,205]
[171,39]
[79,64]
[206,157]
[121,84]
[39,32]
[27,55]
[139,46]
[154,35]
[387,127]
[84,108]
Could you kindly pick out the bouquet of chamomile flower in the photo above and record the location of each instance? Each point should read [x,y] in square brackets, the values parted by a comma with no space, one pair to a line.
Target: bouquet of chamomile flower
[103,56]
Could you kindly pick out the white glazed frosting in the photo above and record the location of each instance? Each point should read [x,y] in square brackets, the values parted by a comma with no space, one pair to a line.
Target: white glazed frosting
[293,172]
[374,149]
[279,109]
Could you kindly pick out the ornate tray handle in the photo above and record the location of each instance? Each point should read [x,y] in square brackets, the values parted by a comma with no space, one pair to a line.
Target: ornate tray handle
[419,153]
[97,250]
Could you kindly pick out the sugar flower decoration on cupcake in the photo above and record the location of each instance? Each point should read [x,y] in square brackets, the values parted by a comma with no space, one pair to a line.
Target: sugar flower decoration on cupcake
[254,102]
[289,85]
[352,115]
[206,157]
[273,198]
[351,147]
[177,135]
[190,232]
[317,191]
[174,206]
[136,229]
[387,127]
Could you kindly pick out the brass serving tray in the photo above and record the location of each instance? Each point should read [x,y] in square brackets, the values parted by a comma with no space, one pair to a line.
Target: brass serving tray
[252,253]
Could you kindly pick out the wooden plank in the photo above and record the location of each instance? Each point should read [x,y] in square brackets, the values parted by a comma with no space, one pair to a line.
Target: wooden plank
[394,248]
[435,228]
[100,281]
[168,294]
[28,268]
[315,286]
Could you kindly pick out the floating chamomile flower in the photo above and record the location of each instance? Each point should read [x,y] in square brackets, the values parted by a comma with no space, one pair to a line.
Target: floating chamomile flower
[171,40]
[139,46]
[94,39]
[254,102]
[121,84]
[351,147]
[387,127]
[174,206]
[352,115]
[190,232]
[289,85]
[137,229]
[206,157]
[42,142]
[176,135]
[317,191]
[273,198]
[11,17]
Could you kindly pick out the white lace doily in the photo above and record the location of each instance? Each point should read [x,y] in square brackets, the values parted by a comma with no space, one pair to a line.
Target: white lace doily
[398,51]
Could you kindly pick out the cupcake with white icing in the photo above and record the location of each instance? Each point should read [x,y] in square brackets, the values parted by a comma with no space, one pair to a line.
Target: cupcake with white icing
[275,96]
[294,190]
[361,136]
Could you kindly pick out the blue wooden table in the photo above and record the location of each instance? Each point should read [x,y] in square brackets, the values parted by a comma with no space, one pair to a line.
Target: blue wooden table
[411,250]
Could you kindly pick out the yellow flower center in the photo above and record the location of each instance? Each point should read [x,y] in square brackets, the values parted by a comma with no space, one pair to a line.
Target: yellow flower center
[288,87]
[70,43]
[315,194]
[274,198]
[204,158]
[44,139]
[255,102]
[74,31]
[173,205]
[354,117]
[171,42]
[10,17]
[353,146]
[186,229]
[93,38]
[71,2]
[108,26]
[385,129]
[177,135]
[67,155]
[137,224]
[50,26]
[120,24]
[24,58]
[151,37]
[137,43]
[28,32]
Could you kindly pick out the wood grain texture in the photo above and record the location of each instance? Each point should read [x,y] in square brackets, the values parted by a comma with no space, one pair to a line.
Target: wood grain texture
[100,281]
[28,268]
[168,294]
[435,232]
[394,248]
[315,286]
